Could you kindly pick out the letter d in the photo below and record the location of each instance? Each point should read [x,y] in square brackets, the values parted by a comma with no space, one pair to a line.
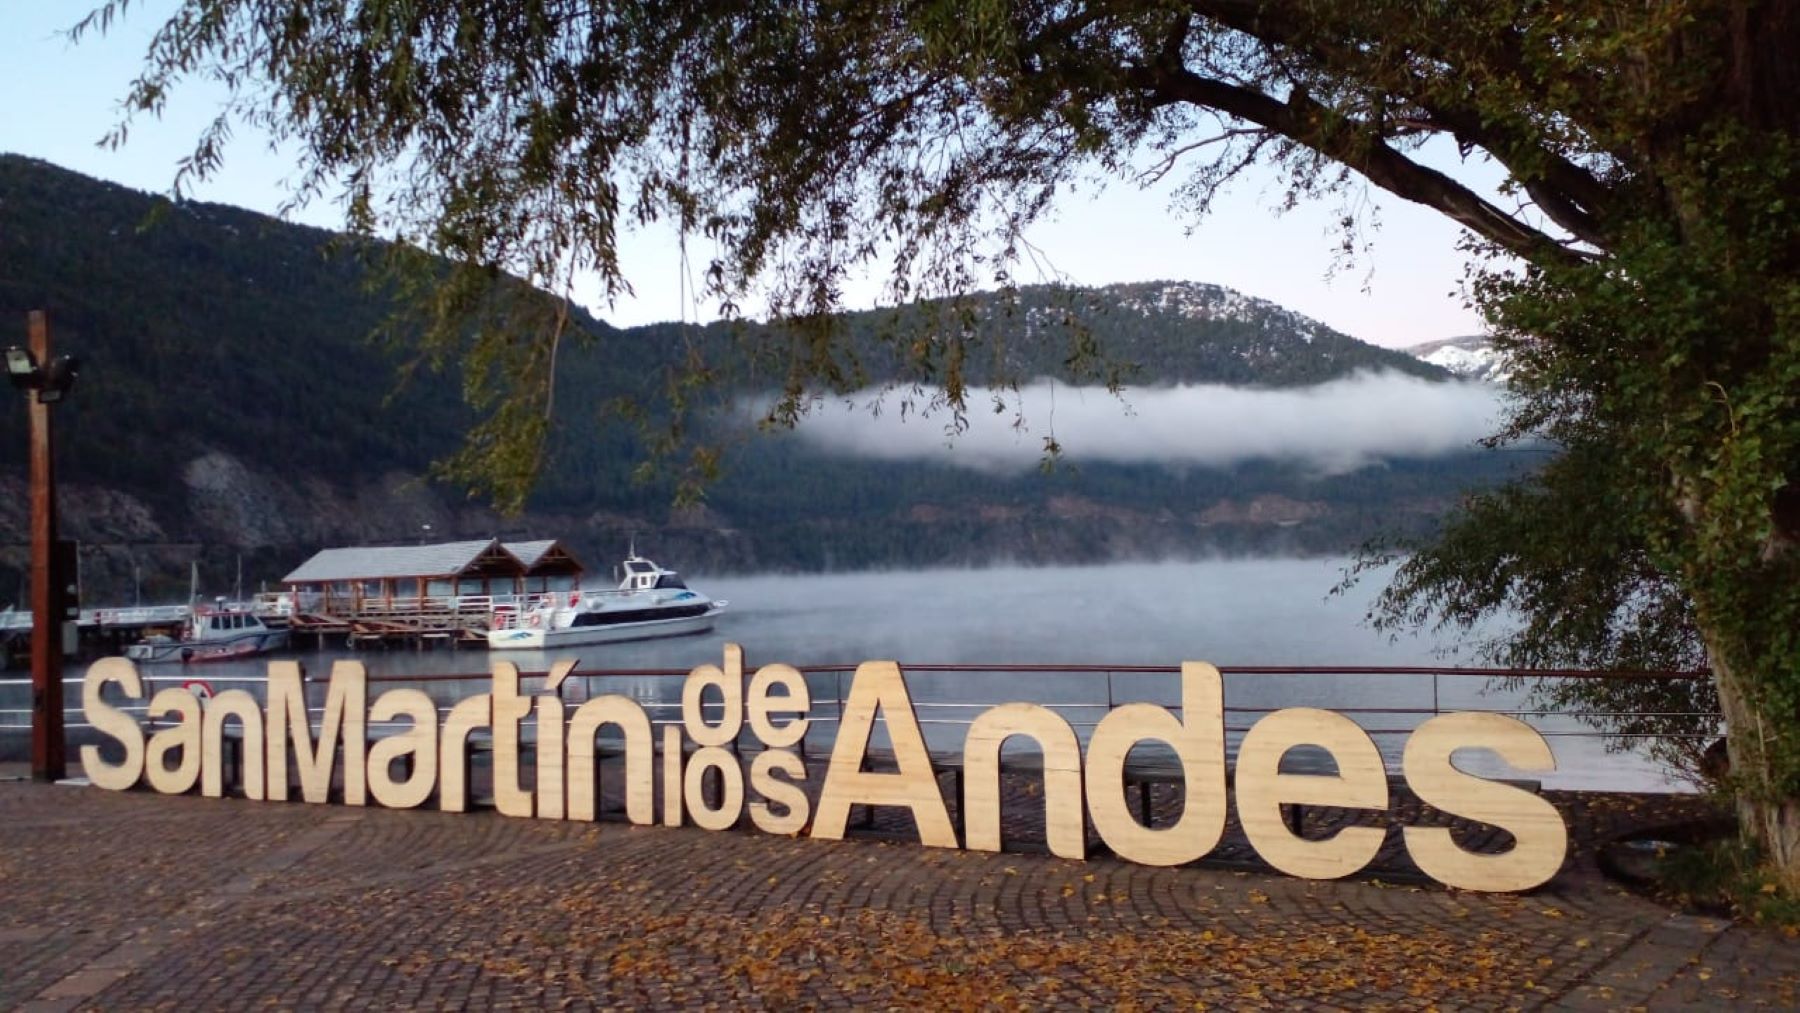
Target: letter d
[1198,738]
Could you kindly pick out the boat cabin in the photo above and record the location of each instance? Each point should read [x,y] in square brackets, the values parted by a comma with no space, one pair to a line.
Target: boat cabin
[214,623]
[643,575]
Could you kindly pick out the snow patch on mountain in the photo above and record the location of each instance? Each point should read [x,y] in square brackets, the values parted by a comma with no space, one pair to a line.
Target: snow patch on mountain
[1201,301]
[1472,358]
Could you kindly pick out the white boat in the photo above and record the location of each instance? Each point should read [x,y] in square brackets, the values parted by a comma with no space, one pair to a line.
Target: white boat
[649,602]
[211,633]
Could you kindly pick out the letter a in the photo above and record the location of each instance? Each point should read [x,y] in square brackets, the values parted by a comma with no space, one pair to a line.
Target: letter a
[879,686]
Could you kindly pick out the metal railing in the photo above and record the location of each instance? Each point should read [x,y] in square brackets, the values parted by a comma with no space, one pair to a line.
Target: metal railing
[1387,702]
[135,615]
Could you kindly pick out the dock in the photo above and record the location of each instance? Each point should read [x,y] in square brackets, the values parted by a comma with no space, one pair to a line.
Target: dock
[101,630]
[416,622]
[421,595]
[417,596]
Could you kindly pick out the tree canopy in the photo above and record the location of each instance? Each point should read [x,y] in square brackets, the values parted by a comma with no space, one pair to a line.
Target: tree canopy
[798,142]
[1642,251]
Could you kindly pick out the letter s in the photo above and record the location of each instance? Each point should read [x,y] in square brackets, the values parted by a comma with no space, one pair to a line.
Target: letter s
[109,720]
[1541,840]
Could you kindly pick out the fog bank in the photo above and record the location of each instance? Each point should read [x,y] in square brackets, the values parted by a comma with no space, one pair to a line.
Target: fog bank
[1333,427]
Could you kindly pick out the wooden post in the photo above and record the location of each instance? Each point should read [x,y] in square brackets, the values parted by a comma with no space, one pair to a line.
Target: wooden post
[48,759]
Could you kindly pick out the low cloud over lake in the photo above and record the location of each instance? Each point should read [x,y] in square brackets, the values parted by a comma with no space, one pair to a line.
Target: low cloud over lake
[1334,427]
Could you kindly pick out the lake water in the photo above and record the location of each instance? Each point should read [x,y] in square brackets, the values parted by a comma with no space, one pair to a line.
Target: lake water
[1230,613]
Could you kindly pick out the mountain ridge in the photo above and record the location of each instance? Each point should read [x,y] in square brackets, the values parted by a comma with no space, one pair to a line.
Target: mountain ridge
[231,406]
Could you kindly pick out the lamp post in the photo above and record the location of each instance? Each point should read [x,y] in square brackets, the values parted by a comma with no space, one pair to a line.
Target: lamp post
[45,381]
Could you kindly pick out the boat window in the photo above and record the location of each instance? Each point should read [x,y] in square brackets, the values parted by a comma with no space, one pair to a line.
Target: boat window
[670,580]
[212,622]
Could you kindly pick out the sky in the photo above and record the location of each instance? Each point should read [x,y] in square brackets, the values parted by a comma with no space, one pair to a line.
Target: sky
[57,100]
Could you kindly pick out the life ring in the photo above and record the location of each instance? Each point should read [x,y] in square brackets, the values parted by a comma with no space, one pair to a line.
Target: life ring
[201,689]
[534,620]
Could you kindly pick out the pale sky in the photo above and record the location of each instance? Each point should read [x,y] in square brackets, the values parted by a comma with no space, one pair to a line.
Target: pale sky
[58,100]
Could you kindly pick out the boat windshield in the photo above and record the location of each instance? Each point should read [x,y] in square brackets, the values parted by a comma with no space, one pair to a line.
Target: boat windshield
[671,580]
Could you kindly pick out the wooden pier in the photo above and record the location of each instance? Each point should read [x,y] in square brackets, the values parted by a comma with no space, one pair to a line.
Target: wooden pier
[418,623]
[421,595]
[101,631]
[376,596]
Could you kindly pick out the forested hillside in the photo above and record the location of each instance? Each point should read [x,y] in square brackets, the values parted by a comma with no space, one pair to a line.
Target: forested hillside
[233,404]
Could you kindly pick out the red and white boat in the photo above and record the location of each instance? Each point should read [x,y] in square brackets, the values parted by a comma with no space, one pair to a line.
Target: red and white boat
[211,633]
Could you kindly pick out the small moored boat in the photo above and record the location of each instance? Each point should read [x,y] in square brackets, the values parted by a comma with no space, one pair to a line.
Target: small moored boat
[211,633]
[649,602]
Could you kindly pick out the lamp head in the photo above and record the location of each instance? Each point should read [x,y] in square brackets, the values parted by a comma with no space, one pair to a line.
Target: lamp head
[21,366]
[59,378]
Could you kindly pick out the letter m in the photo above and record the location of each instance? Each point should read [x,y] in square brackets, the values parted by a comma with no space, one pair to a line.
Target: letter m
[345,716]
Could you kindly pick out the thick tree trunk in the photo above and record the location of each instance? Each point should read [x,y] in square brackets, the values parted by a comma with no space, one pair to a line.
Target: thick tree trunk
[1767,817]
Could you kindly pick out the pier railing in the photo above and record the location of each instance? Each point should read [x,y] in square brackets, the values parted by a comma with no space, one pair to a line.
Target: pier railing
[137,615]
[428,613]
[421,614]
[1388,702]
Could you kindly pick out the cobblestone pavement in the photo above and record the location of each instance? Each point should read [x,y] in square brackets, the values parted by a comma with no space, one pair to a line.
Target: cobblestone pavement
[132,900]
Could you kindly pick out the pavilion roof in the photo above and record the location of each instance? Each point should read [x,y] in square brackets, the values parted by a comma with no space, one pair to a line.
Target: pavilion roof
[374,562]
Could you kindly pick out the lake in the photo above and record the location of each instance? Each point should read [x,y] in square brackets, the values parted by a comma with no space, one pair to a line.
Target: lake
[1230,612]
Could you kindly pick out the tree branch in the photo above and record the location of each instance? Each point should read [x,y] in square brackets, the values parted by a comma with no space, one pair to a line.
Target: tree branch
[1166,164]
[1567,193]
[1307,122]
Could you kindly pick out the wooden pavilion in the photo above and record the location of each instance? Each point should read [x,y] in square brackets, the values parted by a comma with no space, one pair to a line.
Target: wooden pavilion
[548,566]
[399,590]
